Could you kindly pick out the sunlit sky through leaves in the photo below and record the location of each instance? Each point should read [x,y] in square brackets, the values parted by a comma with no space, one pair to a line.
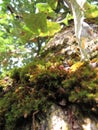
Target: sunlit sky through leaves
[0,1]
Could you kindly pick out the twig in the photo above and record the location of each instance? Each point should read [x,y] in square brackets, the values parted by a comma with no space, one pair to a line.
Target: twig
[33,120]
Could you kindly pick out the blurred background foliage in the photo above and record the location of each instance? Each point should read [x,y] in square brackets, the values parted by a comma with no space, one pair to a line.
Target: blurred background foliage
[27,25]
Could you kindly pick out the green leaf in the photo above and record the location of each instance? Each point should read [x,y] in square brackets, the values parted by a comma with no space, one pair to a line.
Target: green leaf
[45,8]
[25,34]
[35,22]
[52,28]
[52,3]
[91,11]
[66,19]
[38,25]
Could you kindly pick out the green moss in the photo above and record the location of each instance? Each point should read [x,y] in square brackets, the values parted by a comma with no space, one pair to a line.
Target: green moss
[40,85]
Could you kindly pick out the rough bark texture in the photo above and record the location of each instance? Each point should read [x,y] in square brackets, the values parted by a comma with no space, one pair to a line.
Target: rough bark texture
[66,118]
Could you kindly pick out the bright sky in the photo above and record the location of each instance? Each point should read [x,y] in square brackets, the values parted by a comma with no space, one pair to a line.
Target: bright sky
[0,1]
